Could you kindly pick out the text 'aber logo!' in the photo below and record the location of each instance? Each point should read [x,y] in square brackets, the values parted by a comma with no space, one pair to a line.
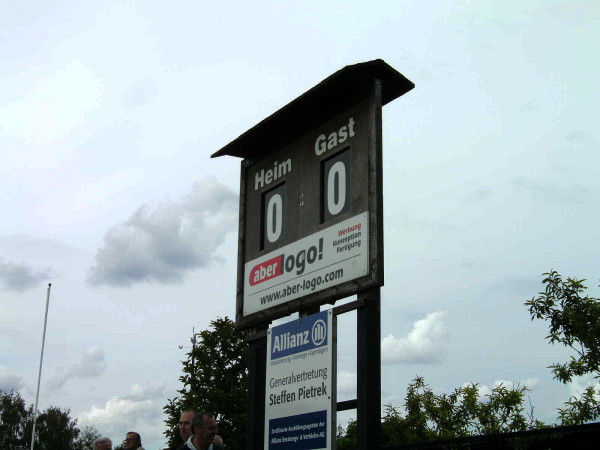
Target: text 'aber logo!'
[283,264]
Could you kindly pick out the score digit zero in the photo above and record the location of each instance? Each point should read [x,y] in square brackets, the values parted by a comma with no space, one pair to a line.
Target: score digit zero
[336,183]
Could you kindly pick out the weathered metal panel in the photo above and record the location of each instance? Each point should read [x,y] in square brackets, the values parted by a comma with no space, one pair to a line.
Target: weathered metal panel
[298,170]
[334,94]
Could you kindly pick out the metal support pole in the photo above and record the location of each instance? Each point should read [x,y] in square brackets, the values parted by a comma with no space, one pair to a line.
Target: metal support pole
[368,409]
[257,372]
[309,311]
[37,395]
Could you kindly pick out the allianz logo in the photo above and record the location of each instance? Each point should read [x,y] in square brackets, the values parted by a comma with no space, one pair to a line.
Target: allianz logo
[288,341]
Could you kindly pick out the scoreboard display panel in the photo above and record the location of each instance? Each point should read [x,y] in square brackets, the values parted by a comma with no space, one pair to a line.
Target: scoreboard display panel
[310,217]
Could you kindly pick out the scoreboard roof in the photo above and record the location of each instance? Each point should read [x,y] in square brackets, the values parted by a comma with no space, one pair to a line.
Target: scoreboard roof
[328,98]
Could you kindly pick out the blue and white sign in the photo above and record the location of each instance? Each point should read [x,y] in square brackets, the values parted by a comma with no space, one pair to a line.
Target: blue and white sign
[300,391]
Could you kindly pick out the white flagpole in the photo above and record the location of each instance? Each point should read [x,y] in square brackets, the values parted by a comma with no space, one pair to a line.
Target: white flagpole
[37,395]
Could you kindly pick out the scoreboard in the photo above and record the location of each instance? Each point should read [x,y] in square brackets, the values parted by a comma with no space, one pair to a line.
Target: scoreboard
[311,228]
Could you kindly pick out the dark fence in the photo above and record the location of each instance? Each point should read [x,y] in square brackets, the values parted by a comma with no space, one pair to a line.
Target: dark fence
[572,438]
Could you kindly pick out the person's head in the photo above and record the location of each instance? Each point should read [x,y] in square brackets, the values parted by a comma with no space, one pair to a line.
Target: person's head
[185,424]
[204,428]
[133,440]
[217,440]
[103,443]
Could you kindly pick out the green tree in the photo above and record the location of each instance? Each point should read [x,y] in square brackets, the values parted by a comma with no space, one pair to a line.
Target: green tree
[431,416]
[464,412]
[215,380]
[575,323]
[54,428]
[14,416]
[86,438]
[582,409]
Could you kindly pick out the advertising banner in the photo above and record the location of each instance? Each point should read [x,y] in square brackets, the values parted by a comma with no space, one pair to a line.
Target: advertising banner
[328,258]
[300,384]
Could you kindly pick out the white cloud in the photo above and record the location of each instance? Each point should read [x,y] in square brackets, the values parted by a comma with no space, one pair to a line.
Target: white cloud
[20,277]
[423,345]
[161,244]
[139,411]
[92,364]
[530,383]
[55,106]
[554,192]
[140,93]
[9,381]
[346,382]
[484,391]
[92,194]
[579,384]
[153,391]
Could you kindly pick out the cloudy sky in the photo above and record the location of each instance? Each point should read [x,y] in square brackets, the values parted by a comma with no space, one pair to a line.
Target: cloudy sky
[109,112]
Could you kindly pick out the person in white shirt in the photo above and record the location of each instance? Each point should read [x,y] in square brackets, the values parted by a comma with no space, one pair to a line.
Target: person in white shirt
[204,428]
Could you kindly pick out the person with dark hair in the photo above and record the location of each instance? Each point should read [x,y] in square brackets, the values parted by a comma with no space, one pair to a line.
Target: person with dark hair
[103,443]
[204,428]
[133,441]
